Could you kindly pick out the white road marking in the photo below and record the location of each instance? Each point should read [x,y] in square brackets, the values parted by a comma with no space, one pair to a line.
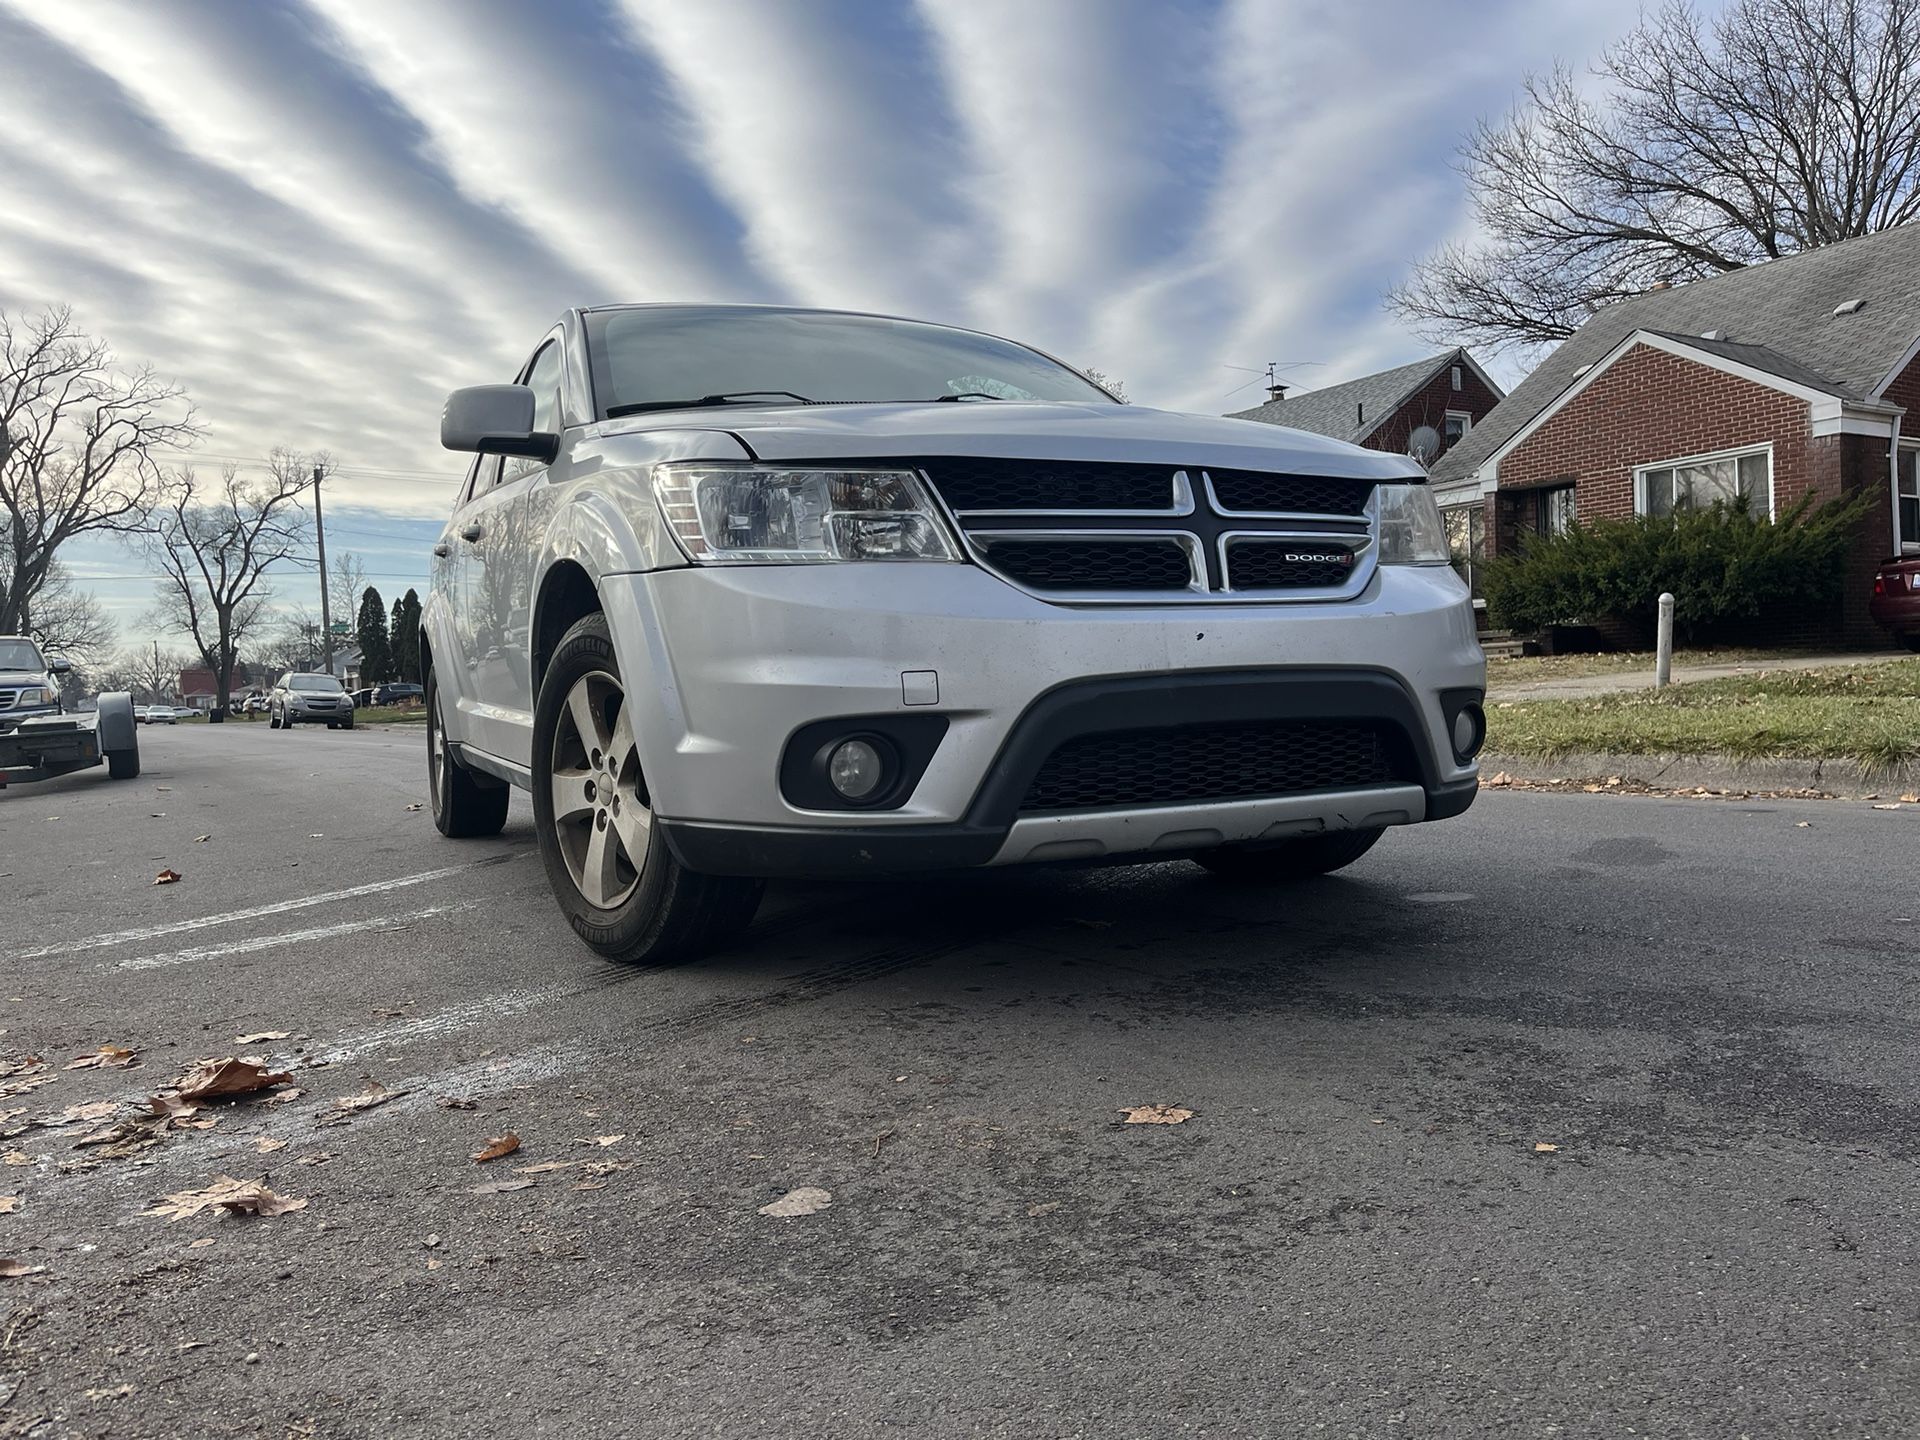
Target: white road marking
[279,907]
[284,937]
[445,1022]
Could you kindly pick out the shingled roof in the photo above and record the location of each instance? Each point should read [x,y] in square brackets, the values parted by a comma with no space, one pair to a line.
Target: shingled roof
[1779,317]
[1353,410]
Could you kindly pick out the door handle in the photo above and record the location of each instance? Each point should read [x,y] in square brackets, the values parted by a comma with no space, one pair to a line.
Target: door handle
[472,533]
[443,550]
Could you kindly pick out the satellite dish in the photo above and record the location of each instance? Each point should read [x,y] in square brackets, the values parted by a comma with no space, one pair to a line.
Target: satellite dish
[1424,444]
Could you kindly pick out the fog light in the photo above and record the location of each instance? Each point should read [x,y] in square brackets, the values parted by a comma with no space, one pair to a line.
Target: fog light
[1469,730]
[856,769]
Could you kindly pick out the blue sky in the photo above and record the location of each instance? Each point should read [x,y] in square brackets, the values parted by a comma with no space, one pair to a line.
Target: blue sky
[320,215]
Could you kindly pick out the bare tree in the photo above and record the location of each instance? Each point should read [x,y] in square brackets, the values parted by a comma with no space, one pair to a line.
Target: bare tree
[69,621]
[150,672]
[78,434]
[1115,388]
[1775,127]
[346,582]
[215,555]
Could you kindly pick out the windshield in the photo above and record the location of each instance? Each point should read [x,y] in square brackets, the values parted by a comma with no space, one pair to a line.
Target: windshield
[19,655]
[657,356]
[315,682]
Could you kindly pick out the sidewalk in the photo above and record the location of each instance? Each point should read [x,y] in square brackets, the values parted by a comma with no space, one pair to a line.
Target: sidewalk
[1582,686]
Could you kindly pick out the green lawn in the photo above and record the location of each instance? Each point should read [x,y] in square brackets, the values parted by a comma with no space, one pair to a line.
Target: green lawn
[1526,669]
[1870,714]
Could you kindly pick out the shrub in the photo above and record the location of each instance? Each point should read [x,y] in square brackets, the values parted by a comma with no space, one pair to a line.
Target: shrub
[1727,569]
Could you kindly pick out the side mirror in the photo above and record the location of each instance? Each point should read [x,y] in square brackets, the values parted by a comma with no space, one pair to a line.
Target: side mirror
[495,420]
[59,664]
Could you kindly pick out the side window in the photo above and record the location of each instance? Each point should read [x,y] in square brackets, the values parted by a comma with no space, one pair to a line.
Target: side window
[543,378]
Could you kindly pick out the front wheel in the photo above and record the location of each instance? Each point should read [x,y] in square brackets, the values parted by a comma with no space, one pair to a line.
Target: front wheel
[617,882]
[1280,861]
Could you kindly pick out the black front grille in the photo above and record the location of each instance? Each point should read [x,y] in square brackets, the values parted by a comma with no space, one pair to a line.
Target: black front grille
[1255,490]
[1093,564]
[1197,763]
[967,483]
[1287,565]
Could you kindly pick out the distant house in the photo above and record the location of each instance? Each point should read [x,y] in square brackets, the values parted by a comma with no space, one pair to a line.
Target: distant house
[198,686]
[1449,392]
[1798,376]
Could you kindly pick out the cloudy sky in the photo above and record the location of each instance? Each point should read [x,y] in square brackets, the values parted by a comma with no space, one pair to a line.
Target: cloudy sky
[320,215]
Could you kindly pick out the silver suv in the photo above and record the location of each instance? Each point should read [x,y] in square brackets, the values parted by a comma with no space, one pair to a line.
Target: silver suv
[740,592]
[298,698]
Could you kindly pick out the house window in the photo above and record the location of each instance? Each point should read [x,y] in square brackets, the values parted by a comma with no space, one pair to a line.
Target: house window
[1909,488]
[1467,540]
[1457,423]
[1554,510]
[1456,377]
[1707,480]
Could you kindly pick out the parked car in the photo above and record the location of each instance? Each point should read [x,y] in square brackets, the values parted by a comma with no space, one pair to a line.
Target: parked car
[362,697]
[1895,603]
[253,704]
[744,591]
[38,741]
[153,714]
[299,698]
[399,693]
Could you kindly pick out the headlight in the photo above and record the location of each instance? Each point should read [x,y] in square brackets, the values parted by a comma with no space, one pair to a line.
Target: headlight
[35,695]
[752,514]
[1411,531]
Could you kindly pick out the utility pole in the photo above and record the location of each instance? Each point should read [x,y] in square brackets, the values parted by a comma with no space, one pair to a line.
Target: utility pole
[320,540]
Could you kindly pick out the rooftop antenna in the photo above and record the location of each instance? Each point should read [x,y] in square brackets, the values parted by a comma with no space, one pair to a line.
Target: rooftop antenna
[1276,387]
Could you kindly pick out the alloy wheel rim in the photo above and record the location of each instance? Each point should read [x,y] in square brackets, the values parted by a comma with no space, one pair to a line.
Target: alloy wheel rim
[436,754]
[601,819]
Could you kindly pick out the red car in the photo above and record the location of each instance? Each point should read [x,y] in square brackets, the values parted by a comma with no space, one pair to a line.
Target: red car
[1896,600]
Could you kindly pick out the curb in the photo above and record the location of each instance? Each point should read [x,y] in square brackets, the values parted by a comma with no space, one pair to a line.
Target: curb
[1840,777]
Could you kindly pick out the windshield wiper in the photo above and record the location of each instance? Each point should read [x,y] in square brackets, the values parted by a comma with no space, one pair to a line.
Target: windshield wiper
[731,397]
[970,395]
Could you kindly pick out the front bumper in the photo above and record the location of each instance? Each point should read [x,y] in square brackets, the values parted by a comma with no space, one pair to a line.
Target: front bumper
[727,664]
[12,717]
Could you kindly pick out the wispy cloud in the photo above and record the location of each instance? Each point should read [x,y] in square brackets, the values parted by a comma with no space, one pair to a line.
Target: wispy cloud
[320,215]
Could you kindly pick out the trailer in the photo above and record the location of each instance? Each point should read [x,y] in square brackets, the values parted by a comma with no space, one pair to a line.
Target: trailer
[40,747]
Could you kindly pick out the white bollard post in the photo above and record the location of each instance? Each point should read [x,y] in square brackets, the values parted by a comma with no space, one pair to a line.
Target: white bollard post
[1663,653]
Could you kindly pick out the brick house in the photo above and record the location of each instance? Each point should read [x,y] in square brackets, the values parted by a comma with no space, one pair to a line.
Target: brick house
[1448,391]
[198,685]
[1798,376]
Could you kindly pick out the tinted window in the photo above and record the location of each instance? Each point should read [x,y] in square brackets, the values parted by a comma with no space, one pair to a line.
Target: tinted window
[19,655]
[656,356]
[316,683]
[544,379]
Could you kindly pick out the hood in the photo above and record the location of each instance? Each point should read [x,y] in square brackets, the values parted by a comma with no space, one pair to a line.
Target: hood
[9,679]
[1016,431]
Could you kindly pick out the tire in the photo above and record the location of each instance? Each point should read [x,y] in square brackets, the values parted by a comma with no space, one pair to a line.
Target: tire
[333,724]
[124,764]
[644,909]
[463,808]
[1280,861]
[273,719]
[346,724]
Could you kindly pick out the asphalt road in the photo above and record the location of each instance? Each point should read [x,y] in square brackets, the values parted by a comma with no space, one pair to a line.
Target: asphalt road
[1707,1007]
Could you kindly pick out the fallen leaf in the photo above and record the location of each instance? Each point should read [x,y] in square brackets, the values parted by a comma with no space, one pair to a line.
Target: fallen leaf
[416,805]
[200,1244]
[16,1157]
[1542,1147]
[1889,805]
[218,1079]
[107,1057]
[14,1269]
[260,1037]
[1803,824]
[432,1264]
[167,877]
[94,1110]
[600,1140]
[118,1392]
[544,1166]
[266,1144]
[129,1137]
[458,1102]
[319,1157]
[497,1186]
[28,1066]
[1910,799]
[281,1097]
[201,839]
[241,1197]
[9,1204]
[1155,1115]
[804,1200]
[1045,1207]
[171,1106]
[589,1185]
[498,1146]
[346,1106]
